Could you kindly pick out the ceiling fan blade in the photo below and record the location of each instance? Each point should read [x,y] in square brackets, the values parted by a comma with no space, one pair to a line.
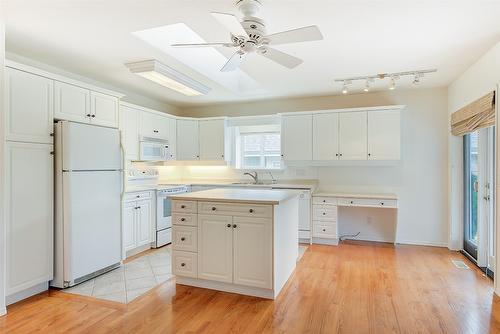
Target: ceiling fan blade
[201,45]
[231,23]
[304,34]
[234,62]
[281,58]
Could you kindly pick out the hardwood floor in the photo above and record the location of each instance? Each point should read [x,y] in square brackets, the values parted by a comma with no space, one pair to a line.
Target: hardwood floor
[352,288]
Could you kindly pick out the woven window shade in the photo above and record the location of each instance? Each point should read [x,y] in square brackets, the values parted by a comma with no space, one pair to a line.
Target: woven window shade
[477,115]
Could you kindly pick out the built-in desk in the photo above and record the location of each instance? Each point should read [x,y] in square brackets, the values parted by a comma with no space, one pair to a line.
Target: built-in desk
[325,211]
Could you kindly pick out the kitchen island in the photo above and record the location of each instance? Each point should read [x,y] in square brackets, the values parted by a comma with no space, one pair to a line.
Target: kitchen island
[235,240]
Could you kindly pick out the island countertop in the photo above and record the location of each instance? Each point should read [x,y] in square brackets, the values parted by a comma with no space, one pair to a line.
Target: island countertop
[254,196]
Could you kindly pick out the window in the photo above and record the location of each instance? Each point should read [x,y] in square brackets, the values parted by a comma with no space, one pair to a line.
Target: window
[260,150]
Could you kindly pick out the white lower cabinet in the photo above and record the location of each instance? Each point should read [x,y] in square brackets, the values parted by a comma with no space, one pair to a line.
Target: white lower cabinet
[324,216]
[29,215]
[137,221]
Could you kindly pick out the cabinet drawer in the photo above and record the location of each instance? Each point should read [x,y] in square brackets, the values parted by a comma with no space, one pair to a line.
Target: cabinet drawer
[186,219]
[185,264]
[137,196]
[324,230]
[368,202]
[324,212]
[184,206]
[235,209]
[325,200]
[185,238]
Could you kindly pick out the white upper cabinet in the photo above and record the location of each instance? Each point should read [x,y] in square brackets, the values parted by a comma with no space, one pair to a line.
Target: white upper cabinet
[211,139]
[72,103]
[154,126]
[172,138]
[353,135]
[384,135]
[103,109]
[129,129]
[187,140]
[296,137]
[29,107]
[326,136]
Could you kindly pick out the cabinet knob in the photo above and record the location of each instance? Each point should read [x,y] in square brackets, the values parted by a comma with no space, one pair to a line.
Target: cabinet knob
[369,154]
[214,208]
[352,202]
[183,239]
[235,226]
[183,219]
[324,230]
[336,154]
[93,116]
[183,206]
[228,225]
[138,196]
[340,154]
[183,264]
[324,213]
[88,115]
[381,203]
[324,201]
[251,210]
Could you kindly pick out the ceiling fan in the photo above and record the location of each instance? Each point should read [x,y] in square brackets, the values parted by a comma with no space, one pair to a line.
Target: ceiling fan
[250,36]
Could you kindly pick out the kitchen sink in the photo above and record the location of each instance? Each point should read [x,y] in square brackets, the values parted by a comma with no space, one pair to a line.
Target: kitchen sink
[250,183]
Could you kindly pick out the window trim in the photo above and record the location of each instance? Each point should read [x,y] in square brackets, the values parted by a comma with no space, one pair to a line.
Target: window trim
[262,153]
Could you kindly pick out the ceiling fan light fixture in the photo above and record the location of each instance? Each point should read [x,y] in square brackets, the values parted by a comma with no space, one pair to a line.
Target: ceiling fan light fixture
[168,77]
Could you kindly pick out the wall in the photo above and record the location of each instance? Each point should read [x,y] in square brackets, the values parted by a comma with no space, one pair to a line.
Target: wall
[2,222]
[420,179]
[482,77]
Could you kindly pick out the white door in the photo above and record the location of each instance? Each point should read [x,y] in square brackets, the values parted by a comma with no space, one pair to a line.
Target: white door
[92,221]
[144,222]
[384,135]
[253,254]
[326,136]
[296,137]
[72,103]
[129,127]
[353,135]
[187,140]
[29,215]
[29,107]
[154,126]
[172,137]
[215,248]
[211,139]
[104,109]
[89,147]
[129,218]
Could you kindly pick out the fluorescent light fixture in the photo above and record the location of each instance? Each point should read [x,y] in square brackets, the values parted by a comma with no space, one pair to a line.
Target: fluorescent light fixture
[166,76]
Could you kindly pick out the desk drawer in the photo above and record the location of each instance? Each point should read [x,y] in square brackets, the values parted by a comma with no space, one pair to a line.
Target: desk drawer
[235,209]
[184,206]
[325,200]
[185,219]
[185,264]
[137,196]
[324,212]
[185,238]
[324,230]
[368,202]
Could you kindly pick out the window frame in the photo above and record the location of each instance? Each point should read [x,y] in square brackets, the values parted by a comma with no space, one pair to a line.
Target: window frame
[262,153]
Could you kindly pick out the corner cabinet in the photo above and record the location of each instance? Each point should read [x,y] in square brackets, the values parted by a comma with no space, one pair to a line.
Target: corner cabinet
[296,137]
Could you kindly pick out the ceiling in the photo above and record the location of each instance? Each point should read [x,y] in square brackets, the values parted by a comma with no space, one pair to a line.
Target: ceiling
[361,37]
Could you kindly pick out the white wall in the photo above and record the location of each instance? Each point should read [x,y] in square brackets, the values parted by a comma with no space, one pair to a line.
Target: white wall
[480,79]
[419,179]
[2,221]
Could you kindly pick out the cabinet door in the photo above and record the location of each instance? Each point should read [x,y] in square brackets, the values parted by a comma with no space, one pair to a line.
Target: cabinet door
[296,137]
[215,248]
[144,222]
[29,107]
[211,139]
[384,135]
[326,136]
[172,137]
[129,128]
[187,140]
[29,215]
[72,103]
[252,262]
[104,109]
[128,225]
[154,126]
[353,136]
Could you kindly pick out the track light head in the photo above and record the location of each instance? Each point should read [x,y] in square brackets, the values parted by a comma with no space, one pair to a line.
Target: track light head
[344,88]
[367,86]
[392,85]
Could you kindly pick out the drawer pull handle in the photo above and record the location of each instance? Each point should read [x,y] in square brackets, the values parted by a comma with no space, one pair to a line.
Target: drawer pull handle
[138,196]
[324,230]
[183,264]
[235,226]
[324,201]
[228,225]
[183,239]
[251,210]
[214,208]
[382,203]
[352,202]
[183,219]
[183,206]
[324,213]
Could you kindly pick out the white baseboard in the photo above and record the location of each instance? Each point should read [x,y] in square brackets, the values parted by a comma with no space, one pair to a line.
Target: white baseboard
[324,241]
[3,311]
[422,243]
[18,296]
[226,287]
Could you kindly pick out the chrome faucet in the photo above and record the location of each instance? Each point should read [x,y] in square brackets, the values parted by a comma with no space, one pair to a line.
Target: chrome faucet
[254,176]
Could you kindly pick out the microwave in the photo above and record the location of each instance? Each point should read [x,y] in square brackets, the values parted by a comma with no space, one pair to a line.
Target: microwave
[153,149]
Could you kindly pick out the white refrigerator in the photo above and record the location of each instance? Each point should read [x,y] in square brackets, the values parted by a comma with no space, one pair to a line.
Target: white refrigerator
[88,174]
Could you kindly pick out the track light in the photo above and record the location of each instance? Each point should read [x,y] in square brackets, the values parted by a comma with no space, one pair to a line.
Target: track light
[367,86]
[416,79]
[344,88]
[392,86]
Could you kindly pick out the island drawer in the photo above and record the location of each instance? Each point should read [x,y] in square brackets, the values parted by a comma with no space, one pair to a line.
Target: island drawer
[184,206]
[186,219]
[368,202]
[236,209]
[326,230]
[185,238]
[324,200]
[185,264]
[137,196]
[324,212]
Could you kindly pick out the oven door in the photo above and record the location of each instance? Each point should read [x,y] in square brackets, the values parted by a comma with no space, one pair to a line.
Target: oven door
[164,212]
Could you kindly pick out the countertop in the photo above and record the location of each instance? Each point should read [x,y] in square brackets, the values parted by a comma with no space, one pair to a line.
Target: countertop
[355,195]
[232,195]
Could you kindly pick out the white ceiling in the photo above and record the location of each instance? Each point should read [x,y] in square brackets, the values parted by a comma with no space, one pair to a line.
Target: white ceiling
[362,37]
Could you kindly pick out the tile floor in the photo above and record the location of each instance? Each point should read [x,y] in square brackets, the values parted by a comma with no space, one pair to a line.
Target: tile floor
[131,280]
